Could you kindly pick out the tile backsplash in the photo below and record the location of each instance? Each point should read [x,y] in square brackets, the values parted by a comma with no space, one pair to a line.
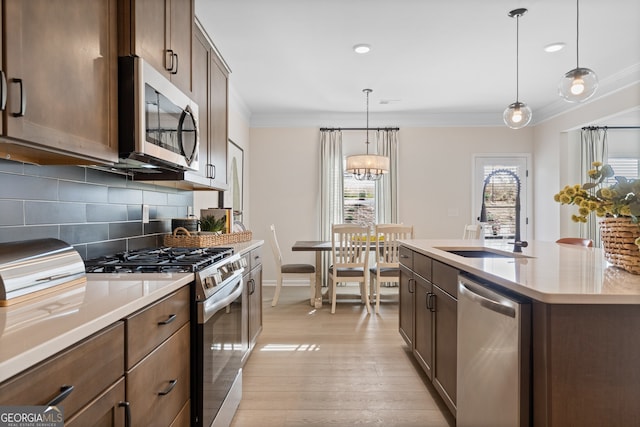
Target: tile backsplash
[95,211]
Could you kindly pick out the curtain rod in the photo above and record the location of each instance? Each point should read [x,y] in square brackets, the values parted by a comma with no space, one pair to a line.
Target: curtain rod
[609,127]
[339,129]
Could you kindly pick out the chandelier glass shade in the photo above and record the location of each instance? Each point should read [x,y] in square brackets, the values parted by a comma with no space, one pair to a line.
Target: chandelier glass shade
[369,167]
[579,84]
[518,114]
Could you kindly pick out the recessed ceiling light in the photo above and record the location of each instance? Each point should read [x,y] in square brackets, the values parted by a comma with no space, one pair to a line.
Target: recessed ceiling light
[362,48]
[554,47]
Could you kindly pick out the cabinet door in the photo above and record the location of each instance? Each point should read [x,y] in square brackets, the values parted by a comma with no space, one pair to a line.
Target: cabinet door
[423,338]
[446,326]
[255,304]
[406,290]
[218,119]
[180,38]
[107,410]
[201,51]
[62,76]
[161,34]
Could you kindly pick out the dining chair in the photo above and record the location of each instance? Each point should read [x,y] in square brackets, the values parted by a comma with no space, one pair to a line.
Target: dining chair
[290,270]
[472,231]
[576,241]
[387,268]
[350,260]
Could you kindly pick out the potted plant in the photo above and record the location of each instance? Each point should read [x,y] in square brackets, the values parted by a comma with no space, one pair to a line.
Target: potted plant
[618,207]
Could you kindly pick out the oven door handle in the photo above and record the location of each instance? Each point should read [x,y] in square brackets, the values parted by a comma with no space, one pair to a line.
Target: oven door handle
[212,305]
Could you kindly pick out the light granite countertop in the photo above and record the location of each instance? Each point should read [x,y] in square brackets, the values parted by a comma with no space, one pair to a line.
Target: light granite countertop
[545,271]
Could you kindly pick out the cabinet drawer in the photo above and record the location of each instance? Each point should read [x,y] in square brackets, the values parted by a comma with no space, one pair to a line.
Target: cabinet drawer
[256,258]
[152,325]
[406,257]
[446,277]
[422,265]
[90,367]
[158,387]
[105,410]
[184,417]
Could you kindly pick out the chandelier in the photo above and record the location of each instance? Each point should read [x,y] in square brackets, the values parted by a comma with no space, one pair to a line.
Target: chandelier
[369,167]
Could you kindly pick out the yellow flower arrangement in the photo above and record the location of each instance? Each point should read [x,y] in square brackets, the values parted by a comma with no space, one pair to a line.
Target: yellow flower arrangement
[621,199]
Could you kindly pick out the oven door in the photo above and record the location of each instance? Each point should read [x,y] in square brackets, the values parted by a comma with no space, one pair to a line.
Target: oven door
[221,341]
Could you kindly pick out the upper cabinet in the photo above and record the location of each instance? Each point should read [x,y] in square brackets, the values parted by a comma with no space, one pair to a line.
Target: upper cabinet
[160,31]
[60,75]
[210,91]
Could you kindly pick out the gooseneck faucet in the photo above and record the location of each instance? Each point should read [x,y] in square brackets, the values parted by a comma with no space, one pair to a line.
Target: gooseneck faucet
[518,244]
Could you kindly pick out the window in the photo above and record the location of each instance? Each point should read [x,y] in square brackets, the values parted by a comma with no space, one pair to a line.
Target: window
[500,195]
[359,201]
[626,167]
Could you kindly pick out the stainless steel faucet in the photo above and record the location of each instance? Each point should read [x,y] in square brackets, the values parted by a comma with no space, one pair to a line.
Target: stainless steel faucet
[518,244]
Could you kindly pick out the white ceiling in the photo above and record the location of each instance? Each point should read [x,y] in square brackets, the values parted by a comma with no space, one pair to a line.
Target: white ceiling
[448,62]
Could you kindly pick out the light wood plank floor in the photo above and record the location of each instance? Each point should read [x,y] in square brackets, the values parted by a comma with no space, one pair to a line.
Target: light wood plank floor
[312,368]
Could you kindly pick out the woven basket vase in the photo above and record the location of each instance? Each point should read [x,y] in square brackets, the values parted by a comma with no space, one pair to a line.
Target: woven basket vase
[618,236]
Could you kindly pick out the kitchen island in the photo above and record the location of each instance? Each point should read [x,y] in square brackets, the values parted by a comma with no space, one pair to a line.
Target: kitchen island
[584,319]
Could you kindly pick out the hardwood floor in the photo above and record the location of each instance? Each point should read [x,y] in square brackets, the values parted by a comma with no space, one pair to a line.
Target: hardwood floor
[312,368]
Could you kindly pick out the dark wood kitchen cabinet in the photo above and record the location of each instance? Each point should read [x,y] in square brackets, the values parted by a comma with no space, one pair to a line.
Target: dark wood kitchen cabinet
[158,361]
[60,66]
[252,298]
[210,91]
[428,319]
[90,374]
[160,32]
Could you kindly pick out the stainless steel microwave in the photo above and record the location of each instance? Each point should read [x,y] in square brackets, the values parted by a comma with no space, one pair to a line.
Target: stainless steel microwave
[158,123]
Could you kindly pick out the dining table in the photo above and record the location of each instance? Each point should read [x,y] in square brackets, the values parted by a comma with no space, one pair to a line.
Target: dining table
[319,247]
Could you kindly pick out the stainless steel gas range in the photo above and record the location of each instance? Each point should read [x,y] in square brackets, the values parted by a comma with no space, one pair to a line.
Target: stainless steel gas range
[219,339]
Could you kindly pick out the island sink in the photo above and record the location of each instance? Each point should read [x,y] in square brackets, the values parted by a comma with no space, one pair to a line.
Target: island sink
[482,253]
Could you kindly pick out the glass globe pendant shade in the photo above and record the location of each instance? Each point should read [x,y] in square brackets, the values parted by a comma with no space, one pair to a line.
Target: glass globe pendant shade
[517,115]
[578,85]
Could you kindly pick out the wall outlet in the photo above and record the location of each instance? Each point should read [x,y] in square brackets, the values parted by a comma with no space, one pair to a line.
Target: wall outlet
[189,211]
[145,214]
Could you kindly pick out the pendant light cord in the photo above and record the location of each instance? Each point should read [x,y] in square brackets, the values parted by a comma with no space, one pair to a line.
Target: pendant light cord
[367,91]
[577,33]
[518,58]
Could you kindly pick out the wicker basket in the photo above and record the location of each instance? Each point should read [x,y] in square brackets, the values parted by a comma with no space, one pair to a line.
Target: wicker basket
[199,240]
[618,236]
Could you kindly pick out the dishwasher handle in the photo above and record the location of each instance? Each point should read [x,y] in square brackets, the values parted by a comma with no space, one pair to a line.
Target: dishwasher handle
[475,293]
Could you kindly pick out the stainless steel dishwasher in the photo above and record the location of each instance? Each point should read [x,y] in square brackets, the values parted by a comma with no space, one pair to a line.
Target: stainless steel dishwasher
[493,380]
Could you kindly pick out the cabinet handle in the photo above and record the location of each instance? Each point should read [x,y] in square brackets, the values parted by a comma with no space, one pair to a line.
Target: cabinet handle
[175,70]
[172,384]
[65,391]
[3,89]
[409,285]
[430,302]
[404,256]
[23,98]
[170,319]
[252,286]
[127,413]
[169,67]
[211,171]
[426,300]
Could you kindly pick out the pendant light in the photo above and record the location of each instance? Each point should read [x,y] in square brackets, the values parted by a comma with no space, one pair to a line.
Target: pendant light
[580,83]
[518,114]
[368,167]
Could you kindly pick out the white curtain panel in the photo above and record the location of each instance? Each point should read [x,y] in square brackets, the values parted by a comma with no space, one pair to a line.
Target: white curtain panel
[387,186]
[331,187]
[594,149]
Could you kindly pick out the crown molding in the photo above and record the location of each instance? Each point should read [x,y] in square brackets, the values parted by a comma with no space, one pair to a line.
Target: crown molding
[619,81]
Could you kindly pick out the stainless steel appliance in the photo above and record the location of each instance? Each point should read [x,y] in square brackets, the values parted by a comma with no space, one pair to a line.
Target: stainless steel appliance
[219,337]
[158,123]
[493,378]
[33,267]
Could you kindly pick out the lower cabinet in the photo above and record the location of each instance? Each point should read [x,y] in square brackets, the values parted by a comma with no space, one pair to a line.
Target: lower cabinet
[158,360]
[253,295]
[106,410]
[428,319]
